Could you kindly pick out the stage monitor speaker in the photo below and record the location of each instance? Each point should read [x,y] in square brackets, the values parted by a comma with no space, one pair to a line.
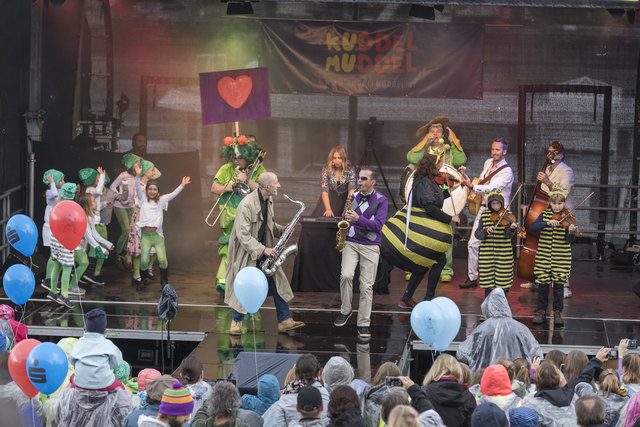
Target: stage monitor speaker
[244,369]
[37,263]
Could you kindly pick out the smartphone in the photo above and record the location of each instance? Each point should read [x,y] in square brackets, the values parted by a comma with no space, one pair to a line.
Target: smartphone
[613,354]
[393,381]
[562,368]
[633,344]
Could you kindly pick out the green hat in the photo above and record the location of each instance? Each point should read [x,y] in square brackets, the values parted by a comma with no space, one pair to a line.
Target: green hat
[153,182]
[106,178]
[68,191]
[88,176]
[123,372]
[130,159]
[56,174]
[146,165]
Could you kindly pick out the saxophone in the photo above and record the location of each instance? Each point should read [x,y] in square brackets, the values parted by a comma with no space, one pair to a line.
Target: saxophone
[270,265]
[343,226]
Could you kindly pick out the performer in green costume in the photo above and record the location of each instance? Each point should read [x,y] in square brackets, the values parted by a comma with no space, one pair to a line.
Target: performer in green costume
[241,152]
[439,138]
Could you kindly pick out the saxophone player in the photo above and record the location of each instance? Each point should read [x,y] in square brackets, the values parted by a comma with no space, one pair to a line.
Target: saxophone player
[367,214]
[252,239]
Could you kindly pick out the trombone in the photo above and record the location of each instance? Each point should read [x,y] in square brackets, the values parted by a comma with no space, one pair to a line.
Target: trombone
[239,188]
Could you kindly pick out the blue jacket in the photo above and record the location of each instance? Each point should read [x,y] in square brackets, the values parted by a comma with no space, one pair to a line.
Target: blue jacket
[132,418]
[268,394]
[94,358]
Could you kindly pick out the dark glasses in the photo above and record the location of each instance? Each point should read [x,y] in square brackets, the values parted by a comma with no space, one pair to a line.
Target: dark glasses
[363,178]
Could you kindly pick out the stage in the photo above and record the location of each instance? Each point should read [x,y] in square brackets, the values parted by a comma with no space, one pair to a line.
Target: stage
[602,310]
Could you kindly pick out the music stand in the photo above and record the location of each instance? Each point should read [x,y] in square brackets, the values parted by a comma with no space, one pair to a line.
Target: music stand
[369,137]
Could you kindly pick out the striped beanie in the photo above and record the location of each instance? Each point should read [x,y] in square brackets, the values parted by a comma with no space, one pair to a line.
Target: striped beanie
[176,401]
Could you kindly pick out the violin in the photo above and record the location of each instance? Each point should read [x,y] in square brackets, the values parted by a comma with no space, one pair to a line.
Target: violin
[565,218]
[443,178]
[504,217]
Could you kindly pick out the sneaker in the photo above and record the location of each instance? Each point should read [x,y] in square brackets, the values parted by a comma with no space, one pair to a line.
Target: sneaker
[289,324]
[364,332]
[64,301]
[469,284]
[220,288]
[77,291]
[53,297]
[46,283]
[557,318]
[530,285]
[92,279]
[141,285]
[236,328]
[407,304]
[445,278]
[342,319]
[150,275]
[567,292]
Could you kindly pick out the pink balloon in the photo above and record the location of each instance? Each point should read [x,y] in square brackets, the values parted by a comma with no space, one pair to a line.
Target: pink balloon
[18,365]
[68,223]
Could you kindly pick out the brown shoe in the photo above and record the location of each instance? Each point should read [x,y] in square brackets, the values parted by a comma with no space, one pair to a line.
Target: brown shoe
[469,284]
[236,328]
[289,324]
[539,317]
[557,318]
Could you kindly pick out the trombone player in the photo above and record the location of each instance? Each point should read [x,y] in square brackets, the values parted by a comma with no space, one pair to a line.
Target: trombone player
[241,153]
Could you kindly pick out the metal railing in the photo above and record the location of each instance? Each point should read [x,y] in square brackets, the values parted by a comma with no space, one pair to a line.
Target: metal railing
[5,206]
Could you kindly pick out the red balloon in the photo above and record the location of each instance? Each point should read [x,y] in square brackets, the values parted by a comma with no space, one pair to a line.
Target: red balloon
[68,223]
[18,365]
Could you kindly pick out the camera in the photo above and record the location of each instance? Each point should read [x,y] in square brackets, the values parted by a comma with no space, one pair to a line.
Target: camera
[393,381]
[633,344]
[613,354]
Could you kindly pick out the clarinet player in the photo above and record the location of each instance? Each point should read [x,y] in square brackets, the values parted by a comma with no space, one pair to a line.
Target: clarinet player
[253,237]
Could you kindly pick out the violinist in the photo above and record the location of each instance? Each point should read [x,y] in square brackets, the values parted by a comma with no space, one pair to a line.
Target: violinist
[553,259]
[495,257]
[496,174]
[560,174]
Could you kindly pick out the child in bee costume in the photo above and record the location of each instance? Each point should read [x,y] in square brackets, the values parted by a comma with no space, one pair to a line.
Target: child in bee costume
[495,257]
[553,259]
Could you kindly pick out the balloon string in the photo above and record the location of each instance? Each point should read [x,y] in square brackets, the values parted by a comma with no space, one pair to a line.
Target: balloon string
[75,274]
[255,347]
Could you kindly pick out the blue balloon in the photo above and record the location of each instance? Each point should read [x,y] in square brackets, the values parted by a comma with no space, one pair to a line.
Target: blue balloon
[426,321]
[22,233]
[450,322]
[47,367]
[19,283]
[251,288]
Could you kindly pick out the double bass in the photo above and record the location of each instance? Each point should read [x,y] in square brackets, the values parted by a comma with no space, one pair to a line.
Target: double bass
[539,202]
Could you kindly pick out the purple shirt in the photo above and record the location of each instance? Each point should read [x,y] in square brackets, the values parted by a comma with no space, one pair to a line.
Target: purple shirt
[372,213]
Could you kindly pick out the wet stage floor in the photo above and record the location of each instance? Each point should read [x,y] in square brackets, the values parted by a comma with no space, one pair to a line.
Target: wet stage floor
[602,310]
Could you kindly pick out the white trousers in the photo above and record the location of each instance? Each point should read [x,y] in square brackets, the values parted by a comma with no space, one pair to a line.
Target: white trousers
[368,256]
[473,247]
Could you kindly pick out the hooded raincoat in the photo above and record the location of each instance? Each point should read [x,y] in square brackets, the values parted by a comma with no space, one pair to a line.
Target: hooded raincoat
[555,406]
[268,394]
[78,407]
[613,402]
[499,336]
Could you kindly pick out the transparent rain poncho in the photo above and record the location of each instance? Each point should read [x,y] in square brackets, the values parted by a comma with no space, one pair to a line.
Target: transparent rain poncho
[79,407]
[498,336]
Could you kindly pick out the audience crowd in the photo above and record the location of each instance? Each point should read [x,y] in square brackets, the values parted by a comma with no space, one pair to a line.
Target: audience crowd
[504,389]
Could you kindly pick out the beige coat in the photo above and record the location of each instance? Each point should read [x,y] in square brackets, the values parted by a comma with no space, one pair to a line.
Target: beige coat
[245,249]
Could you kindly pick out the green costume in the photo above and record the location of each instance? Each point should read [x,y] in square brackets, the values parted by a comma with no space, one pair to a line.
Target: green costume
[454,156]
[224,175]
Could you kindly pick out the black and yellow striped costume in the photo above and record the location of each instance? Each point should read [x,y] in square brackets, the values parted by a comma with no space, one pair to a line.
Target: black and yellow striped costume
[553,260]
[495,257]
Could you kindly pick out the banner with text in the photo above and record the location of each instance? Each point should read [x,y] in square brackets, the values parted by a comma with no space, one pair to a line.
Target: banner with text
[385,59]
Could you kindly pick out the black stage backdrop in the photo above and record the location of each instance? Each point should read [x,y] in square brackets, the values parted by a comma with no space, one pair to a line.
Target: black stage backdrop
[184,228]
[374,58]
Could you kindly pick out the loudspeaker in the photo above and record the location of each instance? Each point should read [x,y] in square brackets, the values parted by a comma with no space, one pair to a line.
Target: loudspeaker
[244,369]
[37,263]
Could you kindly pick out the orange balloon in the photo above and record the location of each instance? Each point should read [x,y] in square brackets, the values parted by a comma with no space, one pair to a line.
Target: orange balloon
[18,365]
[68,223]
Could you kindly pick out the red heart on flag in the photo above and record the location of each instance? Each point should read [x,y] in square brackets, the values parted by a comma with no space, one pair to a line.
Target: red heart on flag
[235,92]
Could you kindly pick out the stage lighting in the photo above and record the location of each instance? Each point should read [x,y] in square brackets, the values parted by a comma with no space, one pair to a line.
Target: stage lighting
[239,8]
[424,12]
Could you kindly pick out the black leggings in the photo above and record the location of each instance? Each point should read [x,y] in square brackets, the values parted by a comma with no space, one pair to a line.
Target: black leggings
[432,280]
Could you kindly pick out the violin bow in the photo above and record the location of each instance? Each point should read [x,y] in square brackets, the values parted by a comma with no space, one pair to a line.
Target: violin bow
[510,201]
[576,206]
